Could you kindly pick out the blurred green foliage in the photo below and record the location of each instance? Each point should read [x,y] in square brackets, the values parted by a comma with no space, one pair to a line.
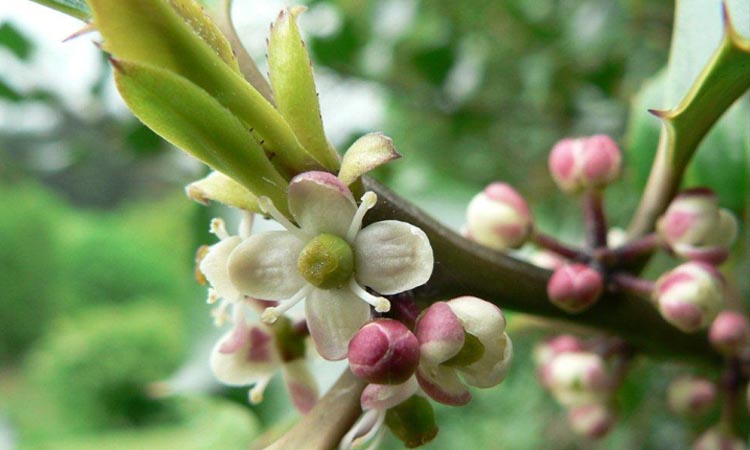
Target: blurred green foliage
[98,364]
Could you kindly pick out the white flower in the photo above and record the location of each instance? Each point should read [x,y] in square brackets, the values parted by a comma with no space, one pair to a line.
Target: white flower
[329,260]
[213,265]
[251,354]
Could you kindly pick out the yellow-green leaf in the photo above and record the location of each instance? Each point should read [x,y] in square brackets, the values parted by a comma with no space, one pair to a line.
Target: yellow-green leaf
[221,188]
[293,87]
[191,119]
[152,32]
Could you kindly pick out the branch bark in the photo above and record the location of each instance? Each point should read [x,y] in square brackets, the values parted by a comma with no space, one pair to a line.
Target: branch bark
[463,267]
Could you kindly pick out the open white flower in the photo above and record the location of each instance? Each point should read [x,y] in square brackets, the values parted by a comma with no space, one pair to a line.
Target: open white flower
[330,260]
[252,353]
[213,266]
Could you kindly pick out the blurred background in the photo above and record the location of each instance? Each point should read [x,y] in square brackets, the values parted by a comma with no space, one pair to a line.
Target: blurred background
[97,295]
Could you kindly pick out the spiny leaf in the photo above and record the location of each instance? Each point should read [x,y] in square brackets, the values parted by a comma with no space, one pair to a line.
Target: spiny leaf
[191,119]
[75,8]
[294,87]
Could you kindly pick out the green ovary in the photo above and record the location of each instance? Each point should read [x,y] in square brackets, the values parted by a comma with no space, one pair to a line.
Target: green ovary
[326,262]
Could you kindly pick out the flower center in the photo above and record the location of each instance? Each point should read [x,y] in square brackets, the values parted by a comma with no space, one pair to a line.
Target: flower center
[326,262]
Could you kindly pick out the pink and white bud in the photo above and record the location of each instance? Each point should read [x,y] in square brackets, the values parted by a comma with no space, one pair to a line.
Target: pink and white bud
[498,217]
[691,396]
[717,439]
[690,295]
[546,259]
[696,228]
[579,378]
[575,287]
[585,163]
[461,341]
[384,352]
[548,350]
[591,421]
[730,333]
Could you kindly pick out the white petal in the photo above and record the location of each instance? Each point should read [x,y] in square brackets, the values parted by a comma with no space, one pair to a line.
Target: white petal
[333,316]
[301,385]
[321,203]
[386,396]
[494,364]
[479,317]
[392,257]
[214,267]
[440,334]
[255,360]
[442,384]
[265,265]
[368,152]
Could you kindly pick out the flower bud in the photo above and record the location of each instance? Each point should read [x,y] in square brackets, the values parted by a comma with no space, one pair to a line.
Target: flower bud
[696,228]
[717,439]
[592,421]
[498,217]
[730,333]
[691,396]
[574,287]
[547,351]
[384,352]
[579,378]
[585,163]
[690,295]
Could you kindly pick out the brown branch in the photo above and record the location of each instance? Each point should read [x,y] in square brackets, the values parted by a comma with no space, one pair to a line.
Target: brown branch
[333,415]
[463,267]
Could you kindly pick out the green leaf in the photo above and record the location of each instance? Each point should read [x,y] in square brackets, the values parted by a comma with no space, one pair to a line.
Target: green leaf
[294,87]
[13,40]
[75,8]
[191,119]
[219,187]
[220,13]
[708,80]
[152,32]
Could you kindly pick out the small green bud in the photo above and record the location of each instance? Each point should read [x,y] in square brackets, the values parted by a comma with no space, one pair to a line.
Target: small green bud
[326,262]
[412,422]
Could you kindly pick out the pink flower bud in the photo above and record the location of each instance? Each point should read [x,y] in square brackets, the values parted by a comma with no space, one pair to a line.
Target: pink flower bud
[579,378]
[384,352]
[696,228]
[592,421]
[546,351]
[730,333]
[498,217]
[717,439]
[585,163]
[574,287]
[690,295]
[691,396]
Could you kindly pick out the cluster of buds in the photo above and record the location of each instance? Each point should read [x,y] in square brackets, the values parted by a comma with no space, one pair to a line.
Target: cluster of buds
[582,380]
[459,341]
[695,228]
